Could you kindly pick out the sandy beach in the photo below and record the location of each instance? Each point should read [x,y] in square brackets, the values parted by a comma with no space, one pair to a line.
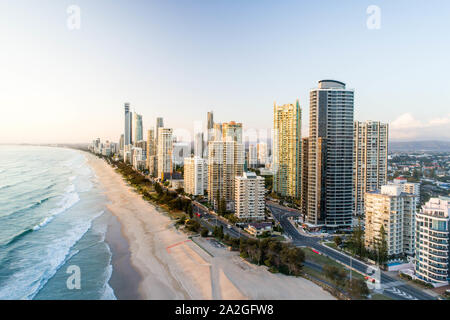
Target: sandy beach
[171,266]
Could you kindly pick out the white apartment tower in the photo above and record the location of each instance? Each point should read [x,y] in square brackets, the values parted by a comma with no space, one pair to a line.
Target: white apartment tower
[249,196]
[432,245]
[370,152]
[195,176]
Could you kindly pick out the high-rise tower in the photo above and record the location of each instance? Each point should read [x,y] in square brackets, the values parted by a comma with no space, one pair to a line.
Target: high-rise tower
[287,149]
[138,134]
[370,160]
[128,125]
[330,156]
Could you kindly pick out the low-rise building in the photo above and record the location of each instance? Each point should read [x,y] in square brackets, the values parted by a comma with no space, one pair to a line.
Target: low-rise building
[257,229]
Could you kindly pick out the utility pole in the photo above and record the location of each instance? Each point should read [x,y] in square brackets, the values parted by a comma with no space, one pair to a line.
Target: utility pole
[351,269]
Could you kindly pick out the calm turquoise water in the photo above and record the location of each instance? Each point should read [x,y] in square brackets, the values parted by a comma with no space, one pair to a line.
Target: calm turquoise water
[52,216]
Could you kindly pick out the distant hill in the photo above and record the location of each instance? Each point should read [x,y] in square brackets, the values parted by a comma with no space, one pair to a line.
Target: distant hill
[417,146]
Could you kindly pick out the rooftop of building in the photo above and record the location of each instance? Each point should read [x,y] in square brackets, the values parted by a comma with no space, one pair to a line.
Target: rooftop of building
[260,225]
[330,84]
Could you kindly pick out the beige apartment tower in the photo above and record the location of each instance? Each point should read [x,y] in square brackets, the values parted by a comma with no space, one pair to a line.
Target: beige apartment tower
[370,152]
[225,162]
[287,149]
[304,176]
[165,148]
[392,208]
[195,175]
[151,152]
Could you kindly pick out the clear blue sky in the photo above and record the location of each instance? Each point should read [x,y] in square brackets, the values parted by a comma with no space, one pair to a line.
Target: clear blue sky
[180,59]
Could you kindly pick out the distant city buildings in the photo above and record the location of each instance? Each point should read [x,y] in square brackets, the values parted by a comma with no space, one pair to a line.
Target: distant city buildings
[330,156]
[287,149]
[195,176]
[210,127]
[232,131]
[252,156]
[370,160]
[249,196]
[198,144]
[181,150]
[263,153]
[138,134]
[432,245]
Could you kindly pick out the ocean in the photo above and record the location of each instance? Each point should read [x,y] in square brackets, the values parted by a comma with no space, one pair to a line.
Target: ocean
[53,224]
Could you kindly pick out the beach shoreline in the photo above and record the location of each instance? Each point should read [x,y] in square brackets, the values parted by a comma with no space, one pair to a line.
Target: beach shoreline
[125,278]
[170,266]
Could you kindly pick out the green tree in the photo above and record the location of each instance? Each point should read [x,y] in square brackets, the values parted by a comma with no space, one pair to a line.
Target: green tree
[382,247]
[336,275]
[337,241]
[357,289]
[204,233]
[357,240]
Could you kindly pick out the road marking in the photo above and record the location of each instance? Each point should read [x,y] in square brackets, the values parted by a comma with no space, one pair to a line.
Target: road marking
[400,293]
[392,284]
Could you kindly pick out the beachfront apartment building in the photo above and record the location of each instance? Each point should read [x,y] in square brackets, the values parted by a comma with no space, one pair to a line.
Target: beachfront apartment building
[394,209]
[195,175]
[165,148]
[370,152]
[225,162]
[249,196]
[330,156]
[432,241]
[287,149]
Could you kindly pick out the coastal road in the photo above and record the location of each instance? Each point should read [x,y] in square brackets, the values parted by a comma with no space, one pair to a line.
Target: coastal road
[389,286]
[216,221]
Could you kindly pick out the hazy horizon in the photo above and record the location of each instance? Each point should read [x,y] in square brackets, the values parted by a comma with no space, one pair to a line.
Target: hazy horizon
[179,60]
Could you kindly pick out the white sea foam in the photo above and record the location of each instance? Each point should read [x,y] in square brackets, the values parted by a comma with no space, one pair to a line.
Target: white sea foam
[35,271]
[68,200]
[108,292]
